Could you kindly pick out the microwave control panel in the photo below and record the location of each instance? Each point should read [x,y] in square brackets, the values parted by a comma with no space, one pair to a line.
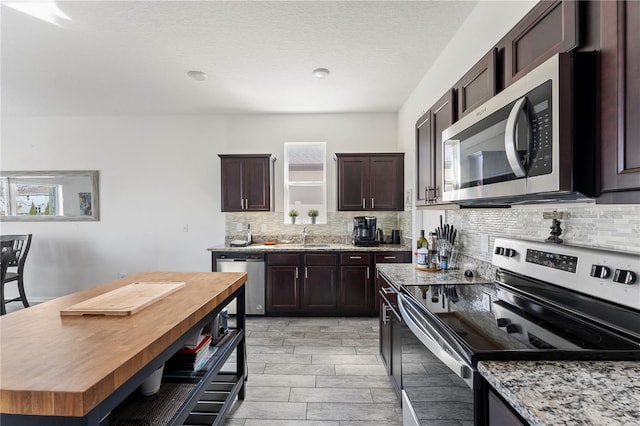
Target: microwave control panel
[541,139]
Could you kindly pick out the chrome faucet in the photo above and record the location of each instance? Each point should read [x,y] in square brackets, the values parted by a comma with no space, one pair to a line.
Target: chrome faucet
[304,235]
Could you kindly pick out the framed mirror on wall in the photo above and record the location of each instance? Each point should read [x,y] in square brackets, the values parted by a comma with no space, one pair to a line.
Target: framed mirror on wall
[49,196]
[305,182]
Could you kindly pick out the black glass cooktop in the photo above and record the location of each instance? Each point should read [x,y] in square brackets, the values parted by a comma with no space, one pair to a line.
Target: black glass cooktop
[488,324]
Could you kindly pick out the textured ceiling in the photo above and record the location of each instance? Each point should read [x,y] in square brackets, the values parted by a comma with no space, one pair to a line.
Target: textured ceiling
[130,57]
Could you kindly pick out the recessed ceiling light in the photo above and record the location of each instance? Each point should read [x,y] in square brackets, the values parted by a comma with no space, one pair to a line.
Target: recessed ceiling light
[321,73]
[197,75]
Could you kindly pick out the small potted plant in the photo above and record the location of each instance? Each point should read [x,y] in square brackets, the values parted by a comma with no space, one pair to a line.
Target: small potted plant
[293,214]
[313,214]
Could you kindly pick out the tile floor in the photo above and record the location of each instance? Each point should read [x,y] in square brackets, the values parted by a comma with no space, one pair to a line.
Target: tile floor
[315,372]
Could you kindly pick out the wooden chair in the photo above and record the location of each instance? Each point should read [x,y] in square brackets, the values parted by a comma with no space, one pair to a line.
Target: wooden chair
[14,254]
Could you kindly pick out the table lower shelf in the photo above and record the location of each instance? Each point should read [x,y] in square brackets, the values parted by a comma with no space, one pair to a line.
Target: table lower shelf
[160,408]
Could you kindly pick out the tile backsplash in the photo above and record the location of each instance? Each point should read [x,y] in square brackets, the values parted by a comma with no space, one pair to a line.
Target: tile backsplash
[336,230]
[607,227]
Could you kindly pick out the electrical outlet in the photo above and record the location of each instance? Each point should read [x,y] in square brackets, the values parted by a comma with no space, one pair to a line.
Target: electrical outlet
[185,227]
[239,227]
[350,227]
[486,302]
[263,228]
[484,243]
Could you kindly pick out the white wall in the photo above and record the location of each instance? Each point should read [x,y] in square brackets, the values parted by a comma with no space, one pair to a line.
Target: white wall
[157,174]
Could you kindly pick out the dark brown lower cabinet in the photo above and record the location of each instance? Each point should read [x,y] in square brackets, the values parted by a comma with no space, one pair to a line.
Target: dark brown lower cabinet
[356,287]
[326,284]
[283,292]
[319,288]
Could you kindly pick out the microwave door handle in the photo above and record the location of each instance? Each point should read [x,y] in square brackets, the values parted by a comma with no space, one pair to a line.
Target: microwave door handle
[510,138]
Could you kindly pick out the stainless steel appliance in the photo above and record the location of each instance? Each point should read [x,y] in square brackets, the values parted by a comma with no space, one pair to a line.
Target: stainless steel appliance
[548,301]
[534,140]
[364,231]
[253,264]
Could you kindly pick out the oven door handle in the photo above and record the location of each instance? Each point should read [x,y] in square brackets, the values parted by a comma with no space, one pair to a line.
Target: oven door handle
[428,335]
[511,139]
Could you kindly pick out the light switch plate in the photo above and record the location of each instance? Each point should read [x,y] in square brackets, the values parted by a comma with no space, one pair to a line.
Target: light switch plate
[484,243]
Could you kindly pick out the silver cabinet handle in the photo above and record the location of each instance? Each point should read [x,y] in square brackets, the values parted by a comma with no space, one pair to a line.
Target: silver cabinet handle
[385,313]
[367,273]
[390,257]
[510,137]
[306,274]
[355,257]
[296,272]
[363,205]
[373,205]
[387,290]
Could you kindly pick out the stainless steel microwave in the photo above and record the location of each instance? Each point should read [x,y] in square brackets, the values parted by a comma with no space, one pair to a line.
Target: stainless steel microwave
[534,141]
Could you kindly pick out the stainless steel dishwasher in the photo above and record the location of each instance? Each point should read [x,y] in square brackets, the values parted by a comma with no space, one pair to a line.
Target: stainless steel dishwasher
[253,264]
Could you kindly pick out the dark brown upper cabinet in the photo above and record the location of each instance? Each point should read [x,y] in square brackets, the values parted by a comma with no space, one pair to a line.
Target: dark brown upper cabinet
[478,85]
[550,27]
[429,147]
[370,182]
[443,115]
[620,102]
[246,182]
[424,160]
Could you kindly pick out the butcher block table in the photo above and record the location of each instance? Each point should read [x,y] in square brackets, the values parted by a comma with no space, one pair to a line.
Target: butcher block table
[76,369]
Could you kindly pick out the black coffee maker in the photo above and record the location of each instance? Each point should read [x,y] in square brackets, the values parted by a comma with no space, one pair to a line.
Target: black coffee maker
[364,231]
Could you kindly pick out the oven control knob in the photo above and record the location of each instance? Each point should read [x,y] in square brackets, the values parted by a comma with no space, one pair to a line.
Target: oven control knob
[502,322]
[600,271]
[623,276]
[512,328]
[509,252]
[499,250]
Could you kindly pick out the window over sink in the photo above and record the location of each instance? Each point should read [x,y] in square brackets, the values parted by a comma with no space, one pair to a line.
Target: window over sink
[305,177]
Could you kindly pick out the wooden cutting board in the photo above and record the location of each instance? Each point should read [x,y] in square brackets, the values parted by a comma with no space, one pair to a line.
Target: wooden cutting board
[125,300]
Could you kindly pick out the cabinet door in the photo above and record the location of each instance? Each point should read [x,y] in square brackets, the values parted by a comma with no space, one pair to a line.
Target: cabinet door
[444,115]
[231,184]
[620,102]
[353,183]
[385,336]
[424,159]
[356,289]
[397,328]
[319,293]
[356,286]
[478,85]
[550,27]
[386,176]
[282,289]
[256,189]
[320,283]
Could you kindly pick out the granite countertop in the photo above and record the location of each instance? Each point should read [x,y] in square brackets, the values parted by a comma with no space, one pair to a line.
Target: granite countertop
[400,274]
[308,247]
[569,392]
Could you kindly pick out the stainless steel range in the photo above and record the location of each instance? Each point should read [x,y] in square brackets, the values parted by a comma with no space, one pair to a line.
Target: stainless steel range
[548,301]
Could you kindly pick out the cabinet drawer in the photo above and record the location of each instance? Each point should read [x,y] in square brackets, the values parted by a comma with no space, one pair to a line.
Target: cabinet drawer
[355,258]
[283,259]
[399,257]
[320,259]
